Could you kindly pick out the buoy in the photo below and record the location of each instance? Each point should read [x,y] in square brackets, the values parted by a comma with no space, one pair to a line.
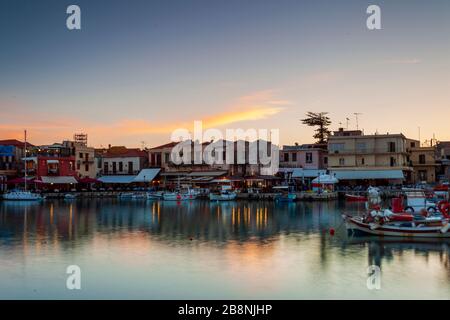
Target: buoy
[332,231]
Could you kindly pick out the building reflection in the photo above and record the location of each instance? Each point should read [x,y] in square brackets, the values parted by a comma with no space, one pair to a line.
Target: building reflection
[62,225]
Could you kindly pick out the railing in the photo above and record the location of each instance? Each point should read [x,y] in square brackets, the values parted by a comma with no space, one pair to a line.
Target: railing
[367,151]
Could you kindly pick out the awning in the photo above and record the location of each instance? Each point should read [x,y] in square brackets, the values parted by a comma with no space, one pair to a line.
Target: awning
[117,179]
[58,180]
[207,173]
[368,174]
[146,175]
[325,179]
[307,173]
[52,161]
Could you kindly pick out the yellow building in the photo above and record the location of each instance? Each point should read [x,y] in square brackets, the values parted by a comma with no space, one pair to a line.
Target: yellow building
[374,159]
[423,161]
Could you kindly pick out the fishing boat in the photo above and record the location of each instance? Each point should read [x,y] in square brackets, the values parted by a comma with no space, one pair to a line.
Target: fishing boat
[284,194]
[125,195]
[428,228]
[23,195]
[400,223]
[155,195]
[223,195]
[355,198]
[179,195]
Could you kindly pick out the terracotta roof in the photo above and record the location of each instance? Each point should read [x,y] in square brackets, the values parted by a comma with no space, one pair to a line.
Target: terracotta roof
[14,142]
[123,152]
[167,145]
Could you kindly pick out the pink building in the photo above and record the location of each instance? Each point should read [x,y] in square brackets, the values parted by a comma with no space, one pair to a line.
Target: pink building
[306,156]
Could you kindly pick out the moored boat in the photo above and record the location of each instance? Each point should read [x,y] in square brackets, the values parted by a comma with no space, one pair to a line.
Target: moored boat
[224,195]
[19,195]
[355,198]
[432,228]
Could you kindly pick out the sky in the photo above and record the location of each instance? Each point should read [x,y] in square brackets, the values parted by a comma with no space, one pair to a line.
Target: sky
[137,70]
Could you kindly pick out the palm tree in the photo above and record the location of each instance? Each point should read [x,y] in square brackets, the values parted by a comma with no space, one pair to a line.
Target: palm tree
[320,120]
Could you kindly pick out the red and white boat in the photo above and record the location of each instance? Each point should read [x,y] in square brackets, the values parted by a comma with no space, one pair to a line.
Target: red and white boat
[412,229]
[396,223]
[355,198]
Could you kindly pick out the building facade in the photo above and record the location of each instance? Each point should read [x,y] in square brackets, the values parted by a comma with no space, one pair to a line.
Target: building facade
[423,162]
[11,154]
[377,158]
[119,160]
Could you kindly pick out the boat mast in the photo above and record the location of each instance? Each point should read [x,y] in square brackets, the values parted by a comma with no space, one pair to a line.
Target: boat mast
[25,147]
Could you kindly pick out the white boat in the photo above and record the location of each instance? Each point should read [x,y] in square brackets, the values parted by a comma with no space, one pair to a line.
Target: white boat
[19,195]
[125,195]
[154,195]
[70,196]
[224,195]
[23,195]
[179,196]
[139,196]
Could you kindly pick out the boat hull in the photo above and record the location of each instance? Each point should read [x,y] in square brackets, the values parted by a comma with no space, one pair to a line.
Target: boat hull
[22,196]
[222,197]
[354,198]
[358,228]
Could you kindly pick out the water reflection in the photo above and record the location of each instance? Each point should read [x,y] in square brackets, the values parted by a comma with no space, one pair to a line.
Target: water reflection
[224,249]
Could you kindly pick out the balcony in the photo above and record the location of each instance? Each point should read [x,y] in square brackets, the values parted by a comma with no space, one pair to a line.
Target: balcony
[367,151]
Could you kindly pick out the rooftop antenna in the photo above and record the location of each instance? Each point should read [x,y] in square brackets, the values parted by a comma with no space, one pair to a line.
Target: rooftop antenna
[347,120]
[356,116]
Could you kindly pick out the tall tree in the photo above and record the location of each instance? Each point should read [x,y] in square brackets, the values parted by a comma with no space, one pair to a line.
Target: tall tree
[320,120]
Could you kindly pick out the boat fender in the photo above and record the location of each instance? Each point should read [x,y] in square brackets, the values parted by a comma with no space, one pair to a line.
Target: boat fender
[445,228]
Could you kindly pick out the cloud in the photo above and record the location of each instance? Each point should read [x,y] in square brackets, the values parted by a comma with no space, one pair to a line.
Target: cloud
[48,129]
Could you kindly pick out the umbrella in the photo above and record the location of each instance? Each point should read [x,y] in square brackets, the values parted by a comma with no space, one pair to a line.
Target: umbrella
[19,180]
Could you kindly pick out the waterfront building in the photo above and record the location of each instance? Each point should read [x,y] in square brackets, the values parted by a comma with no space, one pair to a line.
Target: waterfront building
[303,162]
[11,154]
[423,161]
[119,160]
[356,158]
[202,172]
[443,160]
[85,165]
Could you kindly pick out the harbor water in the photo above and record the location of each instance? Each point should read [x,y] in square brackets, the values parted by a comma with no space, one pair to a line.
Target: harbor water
[137,249]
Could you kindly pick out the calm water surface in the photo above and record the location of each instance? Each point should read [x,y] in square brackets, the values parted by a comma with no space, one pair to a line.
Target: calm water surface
[202,250]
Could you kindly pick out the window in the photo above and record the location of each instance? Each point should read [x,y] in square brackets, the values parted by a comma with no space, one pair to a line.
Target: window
[166,157]
[362,161]
[361,147]
[294,157]
[81,155]
[325,160]
[105,167]
[86,167]
[393,162]
[309,158]
[337,147]
[413,144]
[391,146]
[130,167]
[78,165]
[114,167]
[120,166]
[341,161]
[286,157]
[422,159]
